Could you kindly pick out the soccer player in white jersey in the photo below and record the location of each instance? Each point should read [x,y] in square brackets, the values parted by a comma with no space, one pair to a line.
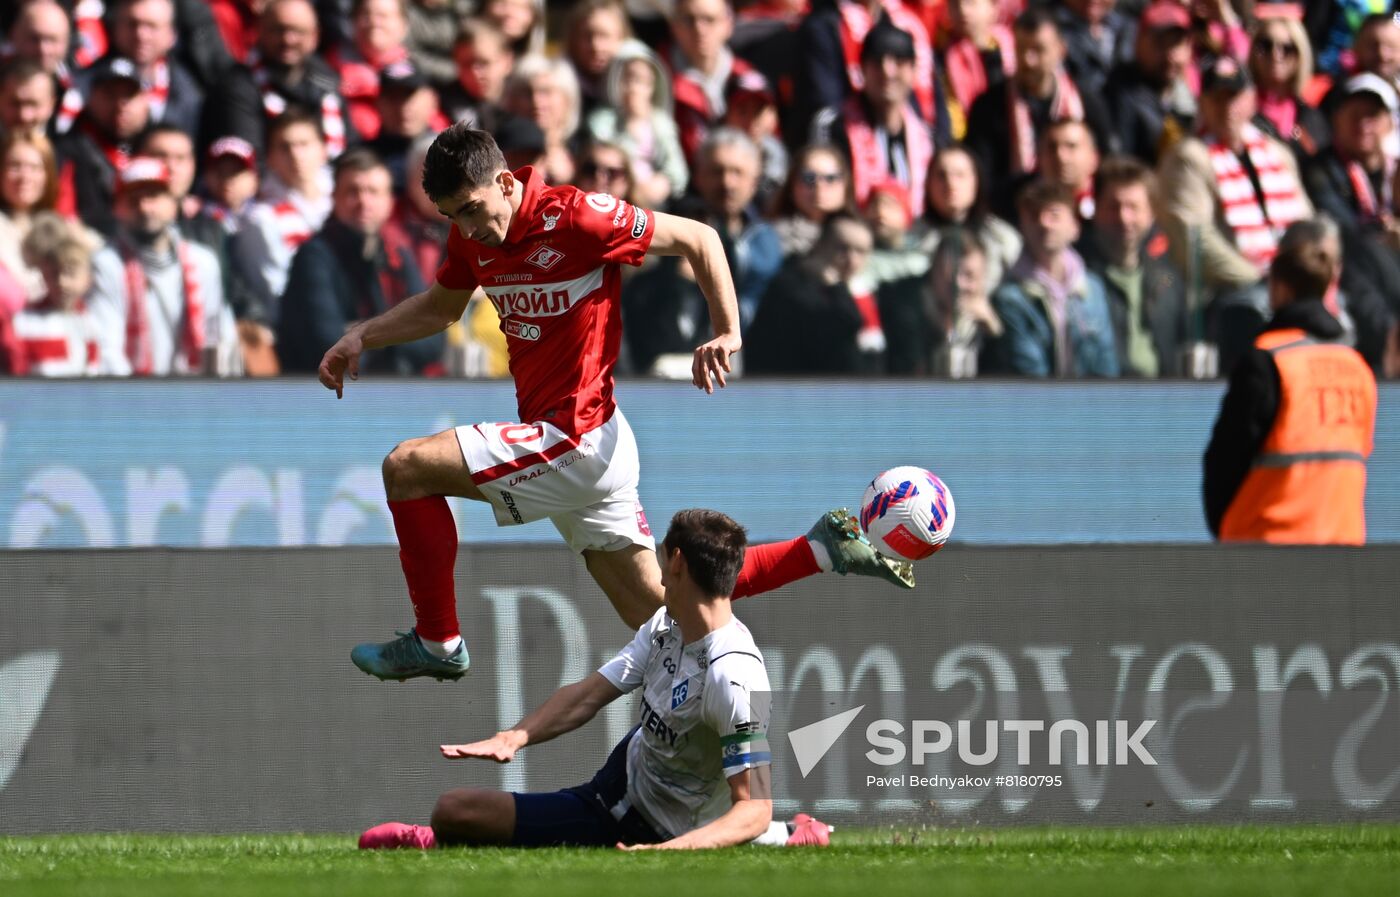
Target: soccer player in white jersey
[549,259]
[693,772]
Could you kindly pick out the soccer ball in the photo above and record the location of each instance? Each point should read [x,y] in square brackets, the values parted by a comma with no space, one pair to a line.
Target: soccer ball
[907,512]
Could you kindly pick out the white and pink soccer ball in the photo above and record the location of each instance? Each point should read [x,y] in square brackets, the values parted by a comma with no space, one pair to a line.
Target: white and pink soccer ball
[907,512]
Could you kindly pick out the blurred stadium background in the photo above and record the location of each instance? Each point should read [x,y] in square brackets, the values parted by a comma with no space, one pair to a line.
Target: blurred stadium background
[185,562]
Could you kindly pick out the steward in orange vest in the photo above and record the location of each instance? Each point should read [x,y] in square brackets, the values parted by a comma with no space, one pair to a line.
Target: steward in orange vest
[1287,460]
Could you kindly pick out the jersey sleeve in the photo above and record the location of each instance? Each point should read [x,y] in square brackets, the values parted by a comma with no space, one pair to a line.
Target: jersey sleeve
[613,228]
[455,272]
[737,703]
[627,668]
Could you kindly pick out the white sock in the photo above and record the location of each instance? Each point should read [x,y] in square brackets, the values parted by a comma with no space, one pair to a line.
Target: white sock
[441,649]
[776,836]
[822,555]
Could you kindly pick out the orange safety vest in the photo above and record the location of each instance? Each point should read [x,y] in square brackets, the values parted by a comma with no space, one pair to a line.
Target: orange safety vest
[1308,482]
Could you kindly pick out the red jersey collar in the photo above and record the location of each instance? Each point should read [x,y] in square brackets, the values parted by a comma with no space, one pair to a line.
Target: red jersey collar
[533,184]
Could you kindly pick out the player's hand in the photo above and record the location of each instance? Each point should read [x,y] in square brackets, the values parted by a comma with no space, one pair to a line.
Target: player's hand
[498,747]
[712,362]
[343,356]
[665,845]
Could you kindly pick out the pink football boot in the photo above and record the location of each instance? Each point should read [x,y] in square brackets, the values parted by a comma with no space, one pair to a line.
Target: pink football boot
[388,835]
[808,832]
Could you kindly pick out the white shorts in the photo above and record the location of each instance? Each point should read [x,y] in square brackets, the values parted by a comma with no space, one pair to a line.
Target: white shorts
[586,485]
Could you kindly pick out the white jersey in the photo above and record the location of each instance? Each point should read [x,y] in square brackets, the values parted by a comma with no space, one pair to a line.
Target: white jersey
[703,718]
[273,228]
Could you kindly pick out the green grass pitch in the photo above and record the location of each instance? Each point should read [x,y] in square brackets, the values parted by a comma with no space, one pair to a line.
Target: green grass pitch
[1277,861]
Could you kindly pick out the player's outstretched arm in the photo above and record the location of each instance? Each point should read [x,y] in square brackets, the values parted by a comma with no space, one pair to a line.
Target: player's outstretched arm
[564,711]
[701,246]
[747,817]
[424,314]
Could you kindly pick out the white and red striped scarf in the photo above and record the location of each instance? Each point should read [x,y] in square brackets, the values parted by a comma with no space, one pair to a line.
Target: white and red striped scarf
[156,85]
[1065,105]
[91,44]
[871,336]
[966,71]
[856,23]
[293,228]
[1257,227]
[117,154]
[1371,208]
[53,343]
[274,104]
[70,105]
[870,154]
[138,323]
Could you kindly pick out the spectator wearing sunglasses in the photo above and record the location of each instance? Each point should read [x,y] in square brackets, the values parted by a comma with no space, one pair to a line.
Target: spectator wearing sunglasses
[818,185]
[1281,64]
[604,168]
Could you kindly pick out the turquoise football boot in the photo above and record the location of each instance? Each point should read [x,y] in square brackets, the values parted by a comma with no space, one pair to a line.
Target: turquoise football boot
[839,532]
[406,658]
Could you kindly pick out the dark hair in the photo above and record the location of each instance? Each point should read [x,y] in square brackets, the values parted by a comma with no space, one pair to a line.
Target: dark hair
[784,206]
[474,29]
[295,115]
[1308,259]
[19,70]
[1079,123]
[355,161]
[1034,19]
[835,219]
[713,547]
[1374,19]
[956,243]
[461,158]
[1125,171]
[979,213]
[1039,193]
[157,130]
[358,6]
[582,10]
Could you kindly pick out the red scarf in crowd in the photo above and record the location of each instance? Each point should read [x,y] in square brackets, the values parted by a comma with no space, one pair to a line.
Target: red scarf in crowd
[117,154]
[856,23]
[359,84]
[966,71]
[91,44]
[1257,227]
[868,157]
[1065,105]
[1372,209]
[332,114]
[138,325]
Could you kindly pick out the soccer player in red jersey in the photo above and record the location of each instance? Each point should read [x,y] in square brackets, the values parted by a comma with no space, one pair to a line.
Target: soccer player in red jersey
[548,258]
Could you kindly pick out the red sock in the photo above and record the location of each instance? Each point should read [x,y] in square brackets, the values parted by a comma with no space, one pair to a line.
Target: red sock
[767,567]
[428,551]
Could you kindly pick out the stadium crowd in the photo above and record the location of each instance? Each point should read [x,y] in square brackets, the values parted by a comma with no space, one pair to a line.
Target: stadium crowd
[1082,188]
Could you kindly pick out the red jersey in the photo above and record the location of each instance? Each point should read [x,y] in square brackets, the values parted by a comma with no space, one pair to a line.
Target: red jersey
[556,284]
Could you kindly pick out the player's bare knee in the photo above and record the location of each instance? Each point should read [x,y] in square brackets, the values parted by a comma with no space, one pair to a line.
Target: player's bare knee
[398,470]
[460,815]
[452,809]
